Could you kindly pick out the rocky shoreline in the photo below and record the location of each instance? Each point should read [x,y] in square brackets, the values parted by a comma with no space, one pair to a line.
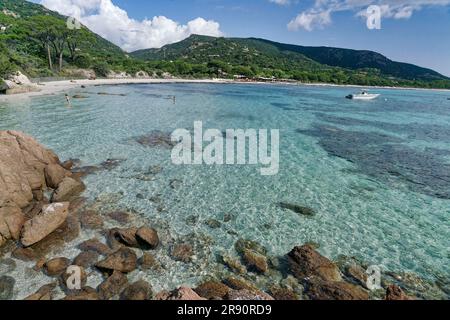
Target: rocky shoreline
[42,210]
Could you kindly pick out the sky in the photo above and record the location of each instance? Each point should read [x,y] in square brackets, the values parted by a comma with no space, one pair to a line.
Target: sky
[413,31]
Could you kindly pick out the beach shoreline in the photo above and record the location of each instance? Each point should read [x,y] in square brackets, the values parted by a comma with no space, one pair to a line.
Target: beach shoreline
[53,87]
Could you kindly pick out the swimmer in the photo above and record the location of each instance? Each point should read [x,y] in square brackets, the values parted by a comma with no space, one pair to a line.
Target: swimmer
[68,100]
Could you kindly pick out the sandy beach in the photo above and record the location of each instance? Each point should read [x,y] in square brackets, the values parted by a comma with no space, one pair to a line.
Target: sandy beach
[52,87]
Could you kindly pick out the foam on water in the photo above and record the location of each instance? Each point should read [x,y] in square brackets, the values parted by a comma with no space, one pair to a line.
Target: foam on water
[387,222]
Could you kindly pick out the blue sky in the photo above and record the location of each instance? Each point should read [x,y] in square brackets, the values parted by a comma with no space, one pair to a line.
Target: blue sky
[415,31]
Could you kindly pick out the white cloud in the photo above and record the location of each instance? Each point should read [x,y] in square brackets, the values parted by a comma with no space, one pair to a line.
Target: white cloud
[281,2]
[114,24]
[319,15]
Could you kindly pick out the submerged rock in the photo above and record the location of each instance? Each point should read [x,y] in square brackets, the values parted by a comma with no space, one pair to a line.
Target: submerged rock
[86,259]
[156,139]
[56,266]
[243,244]
[44,293]
[254,261]
[7,287]
[148,237]
[394,292]
[91,219]
[279,293]
[96,246]
[182,252]
[318,289]
[139,291]
[233,264]
[85,294]
[182,294]
[213,223]
[119,216]
[123,260]
[52,217]
[305,262]
[305,211]
[112,286]
[212,290]
[148,261]
[238,295]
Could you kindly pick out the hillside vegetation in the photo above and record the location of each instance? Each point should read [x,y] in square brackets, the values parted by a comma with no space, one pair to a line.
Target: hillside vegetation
[38,42]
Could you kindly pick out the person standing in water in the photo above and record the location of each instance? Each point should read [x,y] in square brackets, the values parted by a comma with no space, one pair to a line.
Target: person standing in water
[68,101]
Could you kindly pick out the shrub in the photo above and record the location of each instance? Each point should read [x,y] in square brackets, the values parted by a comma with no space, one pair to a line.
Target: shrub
[101,69]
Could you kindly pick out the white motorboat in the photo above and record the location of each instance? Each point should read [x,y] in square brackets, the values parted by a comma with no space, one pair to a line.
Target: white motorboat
[363,95]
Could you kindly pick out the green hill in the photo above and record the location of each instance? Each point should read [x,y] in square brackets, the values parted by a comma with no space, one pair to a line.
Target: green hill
[323,64]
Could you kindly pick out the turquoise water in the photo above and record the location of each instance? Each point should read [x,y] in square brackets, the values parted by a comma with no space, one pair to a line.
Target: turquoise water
[377,173]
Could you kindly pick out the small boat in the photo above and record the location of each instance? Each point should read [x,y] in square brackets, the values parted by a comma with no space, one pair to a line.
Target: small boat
[363,95]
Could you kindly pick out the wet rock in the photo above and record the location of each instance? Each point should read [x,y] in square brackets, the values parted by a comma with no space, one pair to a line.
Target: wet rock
[239,284]
[123,260]
[112,286]
[137,291]
[305,211]
[11,221]
[22,163]
[279,293]
[192,220]
[357,274]
[24,254]
[7,287]
[212,290]
[120,216]
[67,189]
[254,261]
[156,139]
[233,264]
[86,259]
[149,262]
[91,219]
[239,295]
[7,265]
[69,164]
[241,245]
[124,236]
[95,245]
[44,293]
[79,96]
[85,294]
[213,224]
[182,252]
[318,289]
[148,237]
[56,266]
[34,209]
[394,292]
[80,172]
[54,175]
[305,262]
[182,294]
[52,217]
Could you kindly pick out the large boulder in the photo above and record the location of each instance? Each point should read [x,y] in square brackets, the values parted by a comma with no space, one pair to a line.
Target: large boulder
[11,222]
[305,262]
[50,219]
[18,83]
[67,189]
[22,164]
[54,175]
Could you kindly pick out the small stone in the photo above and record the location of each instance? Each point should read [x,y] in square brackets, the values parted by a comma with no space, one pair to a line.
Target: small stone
[56,266]
[182,252]
[112,286]
[212,290]
[123,260]
[138,291]
[86,259]
[123,236]
[255,261]
[234,264]
[305,211]
[213,224]
[148,236]
[148,261]
[241,245]
[95,245]
[90,219]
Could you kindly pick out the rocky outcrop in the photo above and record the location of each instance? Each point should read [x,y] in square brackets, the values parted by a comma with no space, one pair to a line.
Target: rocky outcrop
[305,262]
[18,83]
[52,217]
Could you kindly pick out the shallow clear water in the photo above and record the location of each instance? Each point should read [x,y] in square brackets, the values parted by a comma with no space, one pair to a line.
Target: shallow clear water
[377,172]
